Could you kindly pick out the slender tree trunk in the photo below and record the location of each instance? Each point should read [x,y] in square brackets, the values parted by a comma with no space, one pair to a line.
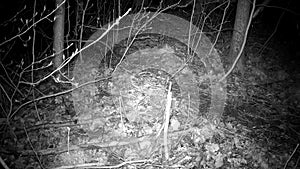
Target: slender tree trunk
[240,25]
[58,33]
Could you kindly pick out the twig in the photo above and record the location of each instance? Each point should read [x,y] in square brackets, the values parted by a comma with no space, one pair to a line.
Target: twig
[33,60]
[81,30]
[190,26]
[3,163]
[127,48]
[140,29]
[53,95]
[220,28]
[96,165]
[20,34]
[273,33]
[243,45]
[101,145]
[193,40]
[286,163]
[13,18]
[167,120]
[33,149]
[202,27]
[78,51]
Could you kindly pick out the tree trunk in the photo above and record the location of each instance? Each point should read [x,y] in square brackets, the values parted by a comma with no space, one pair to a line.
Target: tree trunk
[58,33]
[240,25]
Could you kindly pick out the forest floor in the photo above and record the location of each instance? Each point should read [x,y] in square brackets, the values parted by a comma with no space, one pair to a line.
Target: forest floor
[260,126]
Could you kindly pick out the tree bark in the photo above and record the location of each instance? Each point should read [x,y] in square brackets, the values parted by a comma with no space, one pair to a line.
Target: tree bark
[58,33]
[240,25]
